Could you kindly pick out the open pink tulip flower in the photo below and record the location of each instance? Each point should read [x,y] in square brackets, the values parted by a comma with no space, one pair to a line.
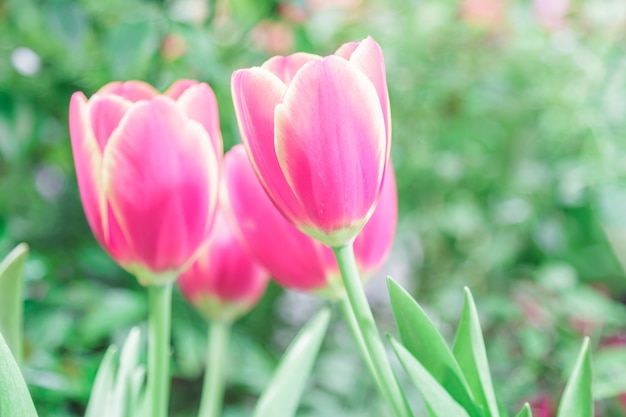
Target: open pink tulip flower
[148,168]
[294,259]
[318,132]
[223,282]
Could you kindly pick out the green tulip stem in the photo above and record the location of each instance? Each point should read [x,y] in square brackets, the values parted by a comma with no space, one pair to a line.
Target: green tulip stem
[159,324]
[388,384]
[213,386]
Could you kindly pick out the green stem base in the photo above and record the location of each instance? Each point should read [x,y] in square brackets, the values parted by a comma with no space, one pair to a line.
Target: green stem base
[213,386]
[159,327]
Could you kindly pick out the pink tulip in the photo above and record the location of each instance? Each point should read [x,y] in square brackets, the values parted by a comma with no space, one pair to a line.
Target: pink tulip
[294,259]
[148,171]
[224,282]
[318,133]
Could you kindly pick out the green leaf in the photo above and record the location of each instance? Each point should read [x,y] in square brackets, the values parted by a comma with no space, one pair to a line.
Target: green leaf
[440,403]
[422,339]
[526,411]
[577,400]
[282,395]
[15,399]
[469,351]
[11,302]
[100,397]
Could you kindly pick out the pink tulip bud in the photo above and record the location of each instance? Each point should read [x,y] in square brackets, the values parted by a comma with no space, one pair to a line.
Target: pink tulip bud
[224,282]
[318,133]
[147,167]
[294,259]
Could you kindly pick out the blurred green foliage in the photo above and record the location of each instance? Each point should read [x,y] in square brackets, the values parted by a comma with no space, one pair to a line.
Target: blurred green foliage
[507,134]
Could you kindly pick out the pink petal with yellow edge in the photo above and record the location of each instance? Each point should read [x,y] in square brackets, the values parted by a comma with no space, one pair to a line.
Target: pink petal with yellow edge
[368,57]
[199,102]
[130,90]
[374,243]
[285,67]
[178,88]
[256,92]
[106,112]
[331,143]
[293,259]
[88,161]
[161,177]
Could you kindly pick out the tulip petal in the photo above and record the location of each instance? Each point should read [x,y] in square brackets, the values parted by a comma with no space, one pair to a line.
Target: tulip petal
[256,93]
[178,88]
[161,175]
[368,57]
[130,90]
[88,161]
[331,144]
[299,262]
[199,102]
[373,243]
[285,67]
[105,112]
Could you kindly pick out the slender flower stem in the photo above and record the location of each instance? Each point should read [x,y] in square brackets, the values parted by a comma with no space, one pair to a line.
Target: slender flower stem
[159,323]
[213,388]
[350,318]
[374,346]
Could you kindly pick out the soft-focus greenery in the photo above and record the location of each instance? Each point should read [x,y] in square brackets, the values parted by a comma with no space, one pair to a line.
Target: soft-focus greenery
[508,145]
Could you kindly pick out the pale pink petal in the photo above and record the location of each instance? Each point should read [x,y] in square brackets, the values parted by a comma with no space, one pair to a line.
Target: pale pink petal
[130,90]
[223,269]
[161,176]
[331,144]
[373,243]
[256,93]
[368,57]
[178,88]
[285,67]
[88,161]
[199,102]
[346,50]
[105,112]
[293,259]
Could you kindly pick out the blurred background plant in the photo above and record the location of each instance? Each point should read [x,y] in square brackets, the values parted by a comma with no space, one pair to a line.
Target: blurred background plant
[508,123]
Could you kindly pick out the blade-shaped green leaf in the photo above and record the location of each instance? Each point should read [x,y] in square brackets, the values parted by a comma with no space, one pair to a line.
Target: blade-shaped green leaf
[129,361]
[422,339]
[469,351]
[282,395]
[440,403]
[11,302]
[100,399]
[15,399]
[577,400]
[526,411]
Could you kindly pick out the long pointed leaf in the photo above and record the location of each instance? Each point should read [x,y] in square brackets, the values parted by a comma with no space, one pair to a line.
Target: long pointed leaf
[101,397]
[282,395]
[577,400]
[440,403]
[469,351]
[11,302]
[422,339]
[15,399]
[526,411]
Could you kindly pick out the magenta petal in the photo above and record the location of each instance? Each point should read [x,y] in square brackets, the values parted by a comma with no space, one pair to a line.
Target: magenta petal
[331,144]
[285,67]
[368,57]
[293,259]
[130,90]
[88,161]
[161,176]
[106,112]
[373,243]
[256,93]
[199,102]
